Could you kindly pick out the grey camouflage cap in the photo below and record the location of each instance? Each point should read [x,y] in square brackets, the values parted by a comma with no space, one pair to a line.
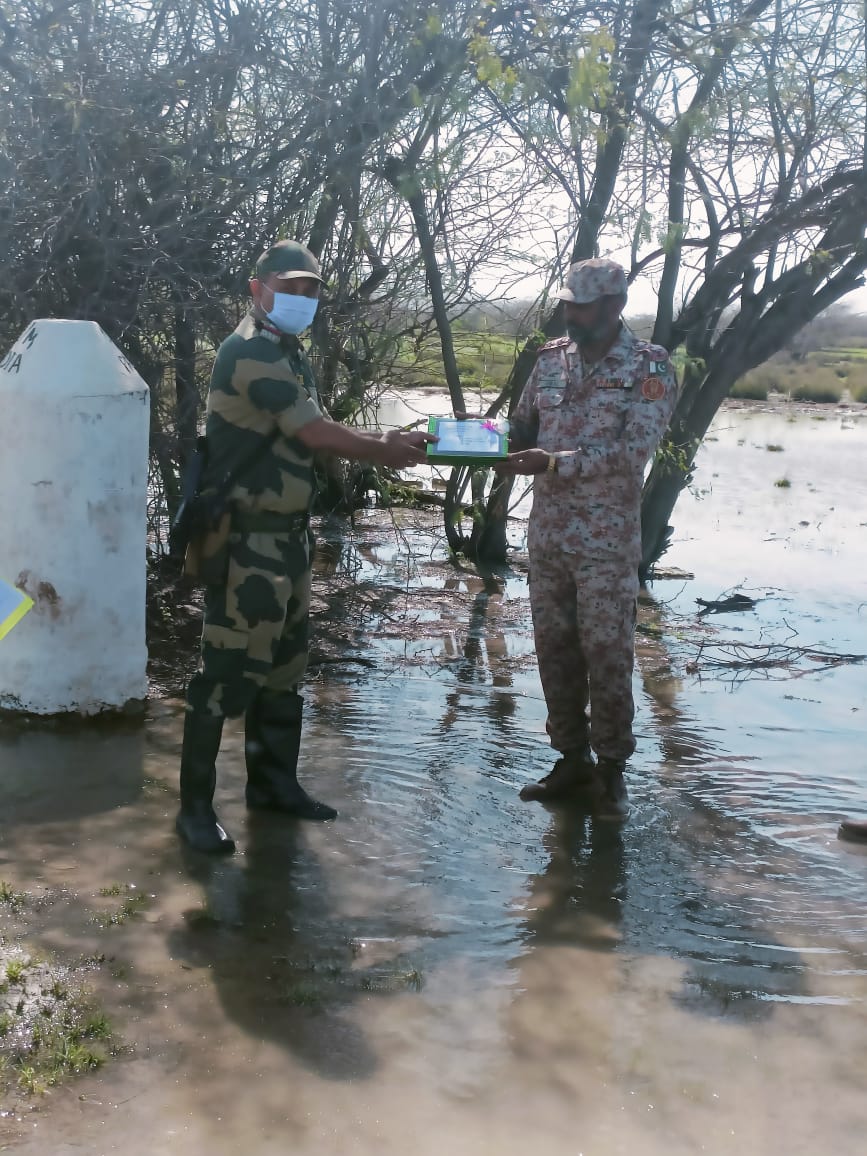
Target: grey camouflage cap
[288,260]
[589,280]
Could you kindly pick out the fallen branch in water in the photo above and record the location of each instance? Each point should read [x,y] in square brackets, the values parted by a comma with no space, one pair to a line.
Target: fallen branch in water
[753,657]
[724,605]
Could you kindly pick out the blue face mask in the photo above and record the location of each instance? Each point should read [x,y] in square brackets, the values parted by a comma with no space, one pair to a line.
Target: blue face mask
[291,313]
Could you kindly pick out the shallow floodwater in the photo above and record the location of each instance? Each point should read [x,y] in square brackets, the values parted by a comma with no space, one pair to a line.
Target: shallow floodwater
[446,969]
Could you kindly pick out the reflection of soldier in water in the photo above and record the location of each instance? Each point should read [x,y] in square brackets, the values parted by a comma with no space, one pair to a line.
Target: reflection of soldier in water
[578,898]
[481,663]
[280,963]
[569,969]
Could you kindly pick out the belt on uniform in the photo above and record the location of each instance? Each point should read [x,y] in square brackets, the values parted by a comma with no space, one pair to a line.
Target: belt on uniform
[269,522]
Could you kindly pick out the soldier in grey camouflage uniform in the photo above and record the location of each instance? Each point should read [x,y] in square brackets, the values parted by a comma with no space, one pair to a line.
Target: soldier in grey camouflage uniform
[594,410]
[254,639]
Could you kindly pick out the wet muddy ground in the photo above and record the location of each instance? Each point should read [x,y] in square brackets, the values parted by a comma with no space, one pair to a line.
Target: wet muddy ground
[444,968]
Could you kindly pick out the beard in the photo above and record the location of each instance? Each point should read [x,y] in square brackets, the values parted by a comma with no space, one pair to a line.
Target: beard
[582,334]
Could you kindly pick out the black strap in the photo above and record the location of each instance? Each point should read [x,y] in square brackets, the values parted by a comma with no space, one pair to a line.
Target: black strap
[222,489]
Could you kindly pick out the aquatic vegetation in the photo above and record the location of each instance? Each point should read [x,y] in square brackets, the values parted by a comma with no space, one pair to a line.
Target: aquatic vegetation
[13,899]
[388,980]
[133,905]
[49,1028]
[302,995]
[15,969]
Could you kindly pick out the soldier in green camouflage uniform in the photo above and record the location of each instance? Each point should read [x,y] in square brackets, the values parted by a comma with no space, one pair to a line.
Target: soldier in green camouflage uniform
[263,405]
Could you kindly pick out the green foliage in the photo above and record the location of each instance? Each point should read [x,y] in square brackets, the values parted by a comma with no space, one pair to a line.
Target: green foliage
[750,388]
[490,70]
[590,87]
[676,459]
[687,366]
[673,236]
[485,360]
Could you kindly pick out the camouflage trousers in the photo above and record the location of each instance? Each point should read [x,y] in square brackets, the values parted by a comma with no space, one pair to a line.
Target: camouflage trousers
[584,625]
[256,624]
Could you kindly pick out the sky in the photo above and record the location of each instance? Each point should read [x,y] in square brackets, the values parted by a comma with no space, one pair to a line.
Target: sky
[642,297]
[642,300]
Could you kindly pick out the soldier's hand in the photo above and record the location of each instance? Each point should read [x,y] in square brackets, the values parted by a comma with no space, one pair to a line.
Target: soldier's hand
[403,448]
[525,462]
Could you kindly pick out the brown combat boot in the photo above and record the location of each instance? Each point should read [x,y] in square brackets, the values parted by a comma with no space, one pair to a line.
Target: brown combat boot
[612,799]
[853,830]
[570,775]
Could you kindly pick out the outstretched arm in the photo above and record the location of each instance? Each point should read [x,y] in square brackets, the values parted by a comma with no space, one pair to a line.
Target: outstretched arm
[396,448]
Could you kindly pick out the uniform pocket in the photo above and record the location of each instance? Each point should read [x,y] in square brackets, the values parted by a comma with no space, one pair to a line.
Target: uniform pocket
[207,557]
[607,412]
[550,399]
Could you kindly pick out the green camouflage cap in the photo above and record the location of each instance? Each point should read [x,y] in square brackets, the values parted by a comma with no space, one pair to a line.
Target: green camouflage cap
[587,281]
[288,260]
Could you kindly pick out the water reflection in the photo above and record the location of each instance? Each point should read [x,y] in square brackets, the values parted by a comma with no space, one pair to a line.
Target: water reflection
[579,897]
[54,772]
[446,968]
[280,963]
[482,660]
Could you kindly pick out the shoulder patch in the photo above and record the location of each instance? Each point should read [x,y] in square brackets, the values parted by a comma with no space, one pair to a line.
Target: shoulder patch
[657,353]
[557,343]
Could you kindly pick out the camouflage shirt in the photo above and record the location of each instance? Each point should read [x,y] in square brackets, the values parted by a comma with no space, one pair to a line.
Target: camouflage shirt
[260,381]
[603,422]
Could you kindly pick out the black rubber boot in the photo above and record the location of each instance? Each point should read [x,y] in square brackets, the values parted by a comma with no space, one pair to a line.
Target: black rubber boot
[612,798]
[197,823]
[571,775]
[272,742]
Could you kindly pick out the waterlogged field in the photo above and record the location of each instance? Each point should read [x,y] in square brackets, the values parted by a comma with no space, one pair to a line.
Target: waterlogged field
[444,968]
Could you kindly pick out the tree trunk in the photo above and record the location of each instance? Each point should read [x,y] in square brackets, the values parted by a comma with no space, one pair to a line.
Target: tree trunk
[418,208]
[186,393]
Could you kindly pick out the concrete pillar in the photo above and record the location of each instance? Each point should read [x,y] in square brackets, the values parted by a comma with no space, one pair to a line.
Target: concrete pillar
[74,423]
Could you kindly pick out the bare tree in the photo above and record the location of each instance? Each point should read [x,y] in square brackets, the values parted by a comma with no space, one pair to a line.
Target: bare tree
[151,146]
[723,148]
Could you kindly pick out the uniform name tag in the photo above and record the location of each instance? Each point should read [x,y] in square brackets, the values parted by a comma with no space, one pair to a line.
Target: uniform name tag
[612,383]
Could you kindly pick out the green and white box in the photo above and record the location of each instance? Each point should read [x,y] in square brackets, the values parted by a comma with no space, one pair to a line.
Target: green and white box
[469,441]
